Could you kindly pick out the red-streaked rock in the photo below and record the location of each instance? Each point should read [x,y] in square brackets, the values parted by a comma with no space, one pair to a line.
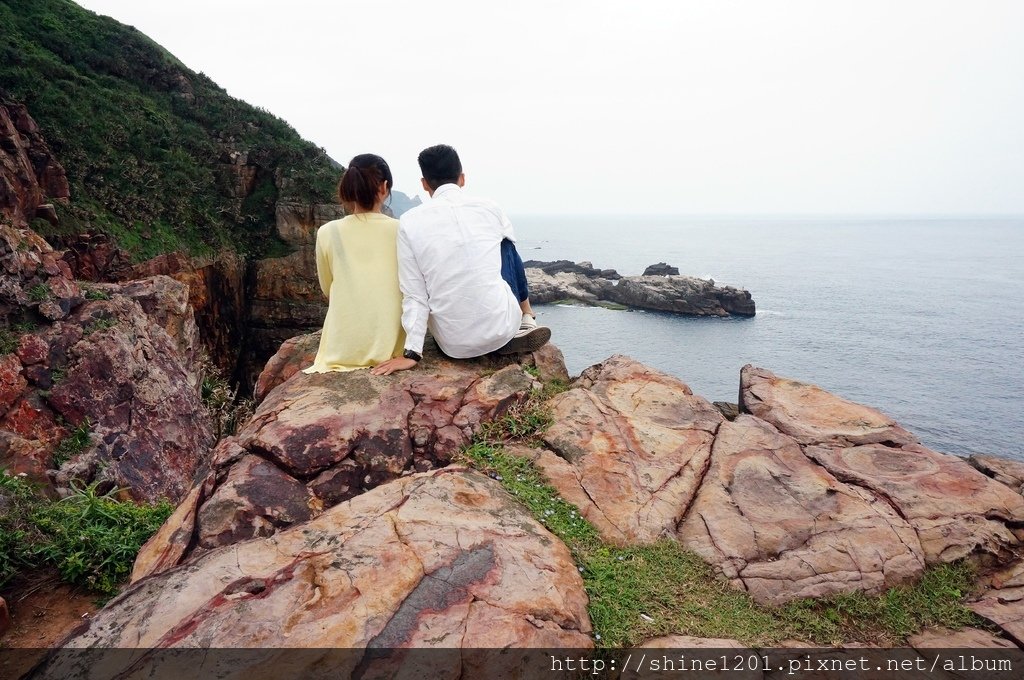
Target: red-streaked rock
[32,349]
[295,354]
[781,527]
[956,510]
[442,559]
[12,382]
[332,436]
[638,442]
[811,415]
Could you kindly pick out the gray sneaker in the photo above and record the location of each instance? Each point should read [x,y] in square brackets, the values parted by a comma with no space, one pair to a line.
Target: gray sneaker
[529,341]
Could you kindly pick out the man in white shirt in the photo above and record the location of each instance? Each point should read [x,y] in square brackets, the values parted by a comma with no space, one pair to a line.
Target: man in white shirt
[459,272]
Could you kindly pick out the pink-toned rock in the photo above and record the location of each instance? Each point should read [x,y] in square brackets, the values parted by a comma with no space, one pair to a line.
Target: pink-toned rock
[965,638]
[781,527]
[324,438]
[442,559]
[1003,470]
[295,354]
[550,364]
[638,442]
[12,382]
[166,302]
[1005,610]
[32,349]
[956,510]
[811,415]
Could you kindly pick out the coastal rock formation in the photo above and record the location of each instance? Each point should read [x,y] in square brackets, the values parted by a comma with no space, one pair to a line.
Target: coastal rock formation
[1002,603]
[441,559]
[319,439]
[813,495]
[554,281]
[97,386]
[781,527]
[1003,470]
[628,446]
[29,174]
[661,269]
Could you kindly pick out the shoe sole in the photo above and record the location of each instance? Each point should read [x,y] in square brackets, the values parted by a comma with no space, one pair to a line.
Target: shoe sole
[531,342]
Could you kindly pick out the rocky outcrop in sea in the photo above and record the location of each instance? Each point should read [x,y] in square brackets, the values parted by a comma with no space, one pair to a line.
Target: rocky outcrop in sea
[660,288]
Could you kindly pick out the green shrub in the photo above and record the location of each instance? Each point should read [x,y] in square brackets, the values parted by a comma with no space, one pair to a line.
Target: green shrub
[91,539]
[74,443]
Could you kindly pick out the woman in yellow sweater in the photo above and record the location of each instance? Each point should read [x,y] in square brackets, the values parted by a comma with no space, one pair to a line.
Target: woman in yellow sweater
[357,264]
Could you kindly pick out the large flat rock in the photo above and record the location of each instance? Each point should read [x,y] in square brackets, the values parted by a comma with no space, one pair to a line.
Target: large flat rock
[781,527]
[811,415]
[441,559]
[956,510]
[320,439]
[635,444]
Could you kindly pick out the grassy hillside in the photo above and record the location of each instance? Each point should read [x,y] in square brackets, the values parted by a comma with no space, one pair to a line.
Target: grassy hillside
[146,141]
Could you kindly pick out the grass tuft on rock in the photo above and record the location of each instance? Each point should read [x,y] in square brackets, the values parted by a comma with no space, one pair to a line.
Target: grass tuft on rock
[90,539]
[641,592]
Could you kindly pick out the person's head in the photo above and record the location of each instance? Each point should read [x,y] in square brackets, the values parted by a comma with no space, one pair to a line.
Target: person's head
[440,165]
[365,184]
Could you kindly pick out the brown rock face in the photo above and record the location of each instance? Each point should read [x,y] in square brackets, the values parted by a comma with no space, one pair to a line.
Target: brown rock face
[1003,470]
[1002,604]
[442,559]
[29,174]
[633,446]
[780,526]
[33,278]
[320,439]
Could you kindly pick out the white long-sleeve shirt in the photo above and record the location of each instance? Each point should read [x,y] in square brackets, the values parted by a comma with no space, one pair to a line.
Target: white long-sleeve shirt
[449,270]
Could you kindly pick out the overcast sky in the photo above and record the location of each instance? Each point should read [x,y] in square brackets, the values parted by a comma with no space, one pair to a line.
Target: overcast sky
[669,106]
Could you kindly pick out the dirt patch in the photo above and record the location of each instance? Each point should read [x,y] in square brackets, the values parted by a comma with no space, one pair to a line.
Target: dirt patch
[41,617]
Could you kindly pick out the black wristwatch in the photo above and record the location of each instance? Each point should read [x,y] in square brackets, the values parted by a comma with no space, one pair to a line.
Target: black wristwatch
[415,356]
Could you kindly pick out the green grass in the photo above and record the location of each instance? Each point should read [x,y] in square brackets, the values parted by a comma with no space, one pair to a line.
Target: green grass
[662,589]
[100,324]
[76,442]
[96,294]
[39,293]
[8,341]
[144,139]
[90,539]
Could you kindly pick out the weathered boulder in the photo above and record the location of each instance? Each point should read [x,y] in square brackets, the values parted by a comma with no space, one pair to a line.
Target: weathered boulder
[441,559]
[965,638]
[811,415]
[554,281]
[781,527]
[105,370]
[1002,602]
[294,355]
[632,445]
[320,439]
[1003,470]
[956,511]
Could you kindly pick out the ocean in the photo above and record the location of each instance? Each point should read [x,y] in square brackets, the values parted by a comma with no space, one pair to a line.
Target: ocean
[920,318]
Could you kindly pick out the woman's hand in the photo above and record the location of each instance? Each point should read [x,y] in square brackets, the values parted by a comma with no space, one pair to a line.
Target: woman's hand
[392,365]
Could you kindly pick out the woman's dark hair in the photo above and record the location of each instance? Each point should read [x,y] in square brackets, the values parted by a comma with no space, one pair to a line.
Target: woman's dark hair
[440,165]
[361,181]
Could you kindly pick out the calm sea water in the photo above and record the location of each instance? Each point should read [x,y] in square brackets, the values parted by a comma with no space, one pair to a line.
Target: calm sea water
[922,319]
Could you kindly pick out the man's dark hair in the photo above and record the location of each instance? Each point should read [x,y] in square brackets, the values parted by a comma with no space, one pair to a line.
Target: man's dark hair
[440,165]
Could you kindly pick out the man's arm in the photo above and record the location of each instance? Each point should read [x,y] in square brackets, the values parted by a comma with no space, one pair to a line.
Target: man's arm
[414,308]
[414,295]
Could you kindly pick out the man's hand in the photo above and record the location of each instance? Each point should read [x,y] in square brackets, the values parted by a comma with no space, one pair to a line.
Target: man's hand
[392,365]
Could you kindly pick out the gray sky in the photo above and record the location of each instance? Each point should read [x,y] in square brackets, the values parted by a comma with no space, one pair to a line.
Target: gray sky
[669,106]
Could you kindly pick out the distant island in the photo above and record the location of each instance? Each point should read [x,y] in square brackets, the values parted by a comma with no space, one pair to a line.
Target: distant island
[660,288]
